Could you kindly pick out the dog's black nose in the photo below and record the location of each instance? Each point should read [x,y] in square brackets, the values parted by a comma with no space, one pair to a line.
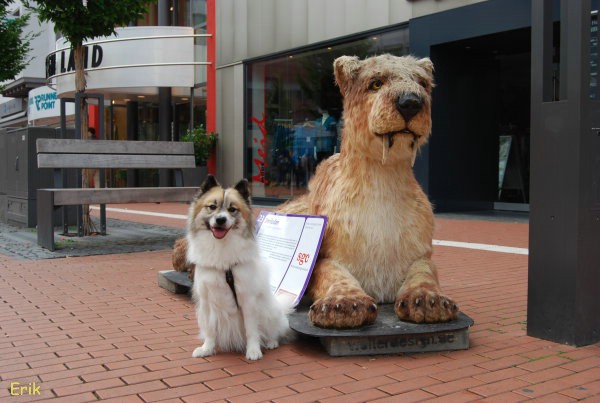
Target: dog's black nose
[221,220]
[409,105]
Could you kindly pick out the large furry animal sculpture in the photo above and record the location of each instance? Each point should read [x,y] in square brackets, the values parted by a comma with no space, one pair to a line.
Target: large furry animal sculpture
[378,243]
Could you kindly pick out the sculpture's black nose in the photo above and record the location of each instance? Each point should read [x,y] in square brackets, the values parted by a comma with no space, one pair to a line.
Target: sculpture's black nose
[221,220]
[409,105]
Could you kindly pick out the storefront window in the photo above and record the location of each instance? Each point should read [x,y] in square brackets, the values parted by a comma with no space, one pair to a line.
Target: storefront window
[294,115]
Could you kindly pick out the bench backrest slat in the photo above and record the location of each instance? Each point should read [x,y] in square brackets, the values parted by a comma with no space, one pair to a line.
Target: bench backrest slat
[115,161]
[69,197]
[76,146]
[74,153]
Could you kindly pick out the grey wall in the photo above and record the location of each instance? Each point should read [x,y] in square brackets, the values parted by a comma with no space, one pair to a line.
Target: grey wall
[253,28]
[230,124]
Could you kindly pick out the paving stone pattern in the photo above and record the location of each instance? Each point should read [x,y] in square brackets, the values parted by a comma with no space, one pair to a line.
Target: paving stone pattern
[98,327]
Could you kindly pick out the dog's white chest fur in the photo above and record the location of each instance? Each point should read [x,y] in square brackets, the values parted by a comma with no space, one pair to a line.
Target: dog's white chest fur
[216,307]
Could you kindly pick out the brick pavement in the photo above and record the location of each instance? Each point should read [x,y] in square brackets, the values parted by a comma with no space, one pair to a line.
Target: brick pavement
[98,327]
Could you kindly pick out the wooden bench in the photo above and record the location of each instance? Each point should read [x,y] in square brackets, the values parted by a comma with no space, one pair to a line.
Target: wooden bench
[60,154]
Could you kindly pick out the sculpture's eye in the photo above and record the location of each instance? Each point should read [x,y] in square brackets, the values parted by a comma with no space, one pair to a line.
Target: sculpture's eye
[375,85]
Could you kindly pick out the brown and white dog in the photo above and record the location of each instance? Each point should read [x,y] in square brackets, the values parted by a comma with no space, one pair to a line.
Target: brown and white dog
[378,242]
[235,307]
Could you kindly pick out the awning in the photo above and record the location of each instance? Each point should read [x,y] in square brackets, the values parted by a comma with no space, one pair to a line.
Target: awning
[15,119]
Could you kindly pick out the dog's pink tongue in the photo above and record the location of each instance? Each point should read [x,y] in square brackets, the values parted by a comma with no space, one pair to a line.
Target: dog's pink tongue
[218,233]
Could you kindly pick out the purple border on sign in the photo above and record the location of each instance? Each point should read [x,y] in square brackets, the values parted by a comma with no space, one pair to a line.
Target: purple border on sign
[261,218]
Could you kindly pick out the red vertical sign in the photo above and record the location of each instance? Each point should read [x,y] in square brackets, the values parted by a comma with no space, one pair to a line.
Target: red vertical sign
[211,78]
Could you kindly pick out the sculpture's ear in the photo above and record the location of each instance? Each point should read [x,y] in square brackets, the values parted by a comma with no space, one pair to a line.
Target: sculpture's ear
[427,65]
[243,189]
[209,183]
[345,69]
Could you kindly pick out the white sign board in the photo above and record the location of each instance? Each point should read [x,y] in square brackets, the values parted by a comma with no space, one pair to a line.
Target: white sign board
[289,244]
[44,103]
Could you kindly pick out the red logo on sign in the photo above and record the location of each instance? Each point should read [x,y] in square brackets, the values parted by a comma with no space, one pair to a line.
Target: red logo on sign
[261,162]
[302,258]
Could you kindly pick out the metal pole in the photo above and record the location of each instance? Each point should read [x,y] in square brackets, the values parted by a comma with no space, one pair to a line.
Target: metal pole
[164,98]
[564,257]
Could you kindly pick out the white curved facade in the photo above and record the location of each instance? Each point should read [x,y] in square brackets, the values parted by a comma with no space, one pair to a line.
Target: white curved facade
[137,60]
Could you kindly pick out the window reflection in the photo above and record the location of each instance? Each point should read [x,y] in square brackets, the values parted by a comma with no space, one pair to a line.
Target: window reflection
[294,115]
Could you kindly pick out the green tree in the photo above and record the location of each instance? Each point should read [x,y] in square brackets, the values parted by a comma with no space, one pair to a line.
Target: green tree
[14,43]
[80,21]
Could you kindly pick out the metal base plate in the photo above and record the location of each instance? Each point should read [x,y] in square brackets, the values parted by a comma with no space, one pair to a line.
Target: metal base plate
[388,335]
[175,281]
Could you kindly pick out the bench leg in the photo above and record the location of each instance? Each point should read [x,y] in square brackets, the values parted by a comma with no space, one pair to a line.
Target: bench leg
[103,219]
[65,219]
[79,220]
[45,219]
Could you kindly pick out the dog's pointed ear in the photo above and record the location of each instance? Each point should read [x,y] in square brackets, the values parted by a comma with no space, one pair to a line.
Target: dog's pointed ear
[209,183]
[427,65]
[345,68]
[243,189]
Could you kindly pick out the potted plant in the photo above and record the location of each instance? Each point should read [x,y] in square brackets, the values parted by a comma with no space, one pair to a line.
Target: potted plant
[204,143]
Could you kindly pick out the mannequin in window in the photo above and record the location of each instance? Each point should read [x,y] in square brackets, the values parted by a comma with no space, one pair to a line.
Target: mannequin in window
[326,121]
[326,134]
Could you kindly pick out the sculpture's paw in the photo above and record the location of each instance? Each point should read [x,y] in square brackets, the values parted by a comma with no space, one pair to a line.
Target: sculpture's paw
[191,270]
[342,312]
[422,304]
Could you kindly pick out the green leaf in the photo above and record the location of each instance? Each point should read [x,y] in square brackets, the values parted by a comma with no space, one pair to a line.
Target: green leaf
[204,143]
[15,44]
[79,23]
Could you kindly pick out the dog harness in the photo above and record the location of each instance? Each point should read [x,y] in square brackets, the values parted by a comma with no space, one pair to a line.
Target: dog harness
[229,280]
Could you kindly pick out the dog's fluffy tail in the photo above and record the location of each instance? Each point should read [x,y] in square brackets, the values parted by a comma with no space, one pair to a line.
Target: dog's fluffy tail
[286,303]
[287,306]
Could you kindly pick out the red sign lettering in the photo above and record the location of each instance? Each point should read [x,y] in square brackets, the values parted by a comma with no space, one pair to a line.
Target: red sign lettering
[261,162]
[302,258]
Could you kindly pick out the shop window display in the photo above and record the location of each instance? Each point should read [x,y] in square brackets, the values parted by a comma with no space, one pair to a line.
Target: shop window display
[294,112]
